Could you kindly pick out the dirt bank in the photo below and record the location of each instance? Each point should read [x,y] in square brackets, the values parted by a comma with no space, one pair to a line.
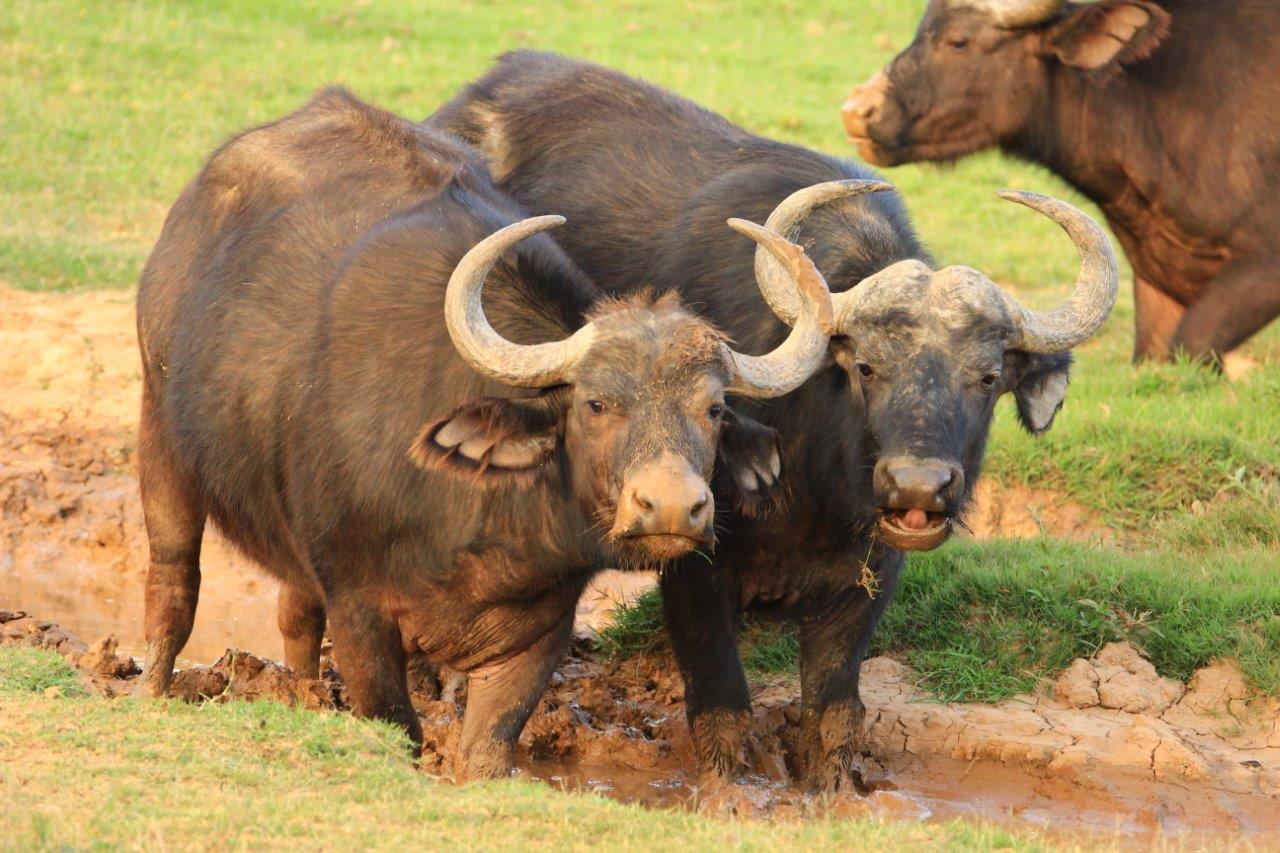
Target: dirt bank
[1111,745]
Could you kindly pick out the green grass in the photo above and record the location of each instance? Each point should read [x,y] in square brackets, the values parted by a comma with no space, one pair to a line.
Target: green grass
[21,671]
[984,621]
[81,772]
[110,108]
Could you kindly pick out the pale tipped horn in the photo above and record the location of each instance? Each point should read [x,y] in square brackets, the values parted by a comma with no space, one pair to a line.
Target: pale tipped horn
[1083,313]
[488,353]
[1011,14]
[795,360]
[775,282]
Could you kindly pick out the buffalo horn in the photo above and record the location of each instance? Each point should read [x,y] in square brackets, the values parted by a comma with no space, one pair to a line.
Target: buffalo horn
[796,358]
[775,283]
[1011,14]
[490,354]
[1060,328]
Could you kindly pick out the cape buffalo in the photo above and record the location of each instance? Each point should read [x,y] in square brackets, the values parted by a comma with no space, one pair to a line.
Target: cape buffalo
[321,380]
[881,448]
[1167,115]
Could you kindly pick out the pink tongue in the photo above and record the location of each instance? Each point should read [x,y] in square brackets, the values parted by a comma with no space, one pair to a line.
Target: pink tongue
[915,519]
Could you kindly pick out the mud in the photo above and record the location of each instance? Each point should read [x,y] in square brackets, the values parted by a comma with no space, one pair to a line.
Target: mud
[1109,746]
[1199,762]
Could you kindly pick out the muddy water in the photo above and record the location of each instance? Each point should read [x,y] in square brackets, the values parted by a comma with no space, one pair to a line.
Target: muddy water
[1113,748]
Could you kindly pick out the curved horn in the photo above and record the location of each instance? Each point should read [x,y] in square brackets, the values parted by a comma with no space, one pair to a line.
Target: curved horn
[1083,313]
[490,354]
[794,361]
[1011,14]
[775,282]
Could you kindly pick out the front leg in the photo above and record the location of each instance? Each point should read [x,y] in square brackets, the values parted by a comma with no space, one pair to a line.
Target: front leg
[700,605]
[370,653]
[834,635]
[500,698]
[1242,299]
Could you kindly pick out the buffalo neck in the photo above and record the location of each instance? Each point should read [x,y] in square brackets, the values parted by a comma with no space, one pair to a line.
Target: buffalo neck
[1082,131]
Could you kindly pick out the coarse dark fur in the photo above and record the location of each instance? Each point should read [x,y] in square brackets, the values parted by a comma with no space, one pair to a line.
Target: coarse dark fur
[647,180]
[297,366]
[1166,114]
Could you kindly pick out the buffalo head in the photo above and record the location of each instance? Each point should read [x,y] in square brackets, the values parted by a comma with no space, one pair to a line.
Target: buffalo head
[978,72]
[928,353]
[632,405]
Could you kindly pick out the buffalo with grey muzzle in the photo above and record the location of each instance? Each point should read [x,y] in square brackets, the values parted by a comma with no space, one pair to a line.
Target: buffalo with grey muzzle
[880,449]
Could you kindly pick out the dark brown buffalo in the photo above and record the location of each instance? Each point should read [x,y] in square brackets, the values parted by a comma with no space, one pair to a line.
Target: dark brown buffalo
[882,448]
[322,382]
[1166,114]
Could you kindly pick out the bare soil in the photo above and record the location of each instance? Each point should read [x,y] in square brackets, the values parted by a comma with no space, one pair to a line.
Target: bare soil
[1109,746]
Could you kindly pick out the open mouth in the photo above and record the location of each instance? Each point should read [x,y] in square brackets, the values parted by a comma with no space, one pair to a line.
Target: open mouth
[914,529]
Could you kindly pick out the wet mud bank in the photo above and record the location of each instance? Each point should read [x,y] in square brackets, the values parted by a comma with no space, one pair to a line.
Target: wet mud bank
[1111,747]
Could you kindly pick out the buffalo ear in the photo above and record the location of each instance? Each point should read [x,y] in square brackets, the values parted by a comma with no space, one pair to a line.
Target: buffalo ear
[1040,389]
[1106,34]
[493,439]
[749,463]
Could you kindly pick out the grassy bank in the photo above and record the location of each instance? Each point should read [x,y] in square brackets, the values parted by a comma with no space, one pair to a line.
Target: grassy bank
[111,108]
[77,772]
[983,621]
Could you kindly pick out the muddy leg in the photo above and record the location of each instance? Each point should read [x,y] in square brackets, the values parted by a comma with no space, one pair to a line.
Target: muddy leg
[701,609]
[500,699]
[1155,318]
[174,515]
[371,656]
[833,641]
[300,615]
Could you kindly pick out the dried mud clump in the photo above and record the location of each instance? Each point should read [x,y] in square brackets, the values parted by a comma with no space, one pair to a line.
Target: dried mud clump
[1119,678]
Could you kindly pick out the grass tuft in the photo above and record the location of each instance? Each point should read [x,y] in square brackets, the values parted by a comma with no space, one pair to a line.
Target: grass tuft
[28,671]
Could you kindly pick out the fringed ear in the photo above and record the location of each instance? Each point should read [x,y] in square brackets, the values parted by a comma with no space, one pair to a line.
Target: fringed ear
[749,464]
[1040,390]
[1103,36]
[493,440]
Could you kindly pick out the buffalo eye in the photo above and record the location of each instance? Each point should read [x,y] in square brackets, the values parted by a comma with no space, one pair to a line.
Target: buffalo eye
[596,407]
[958,42]
[865,370]
[988,381]
[715,411]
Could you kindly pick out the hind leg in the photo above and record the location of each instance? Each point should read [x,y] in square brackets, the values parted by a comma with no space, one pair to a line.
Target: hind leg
[300,615]
[175,516]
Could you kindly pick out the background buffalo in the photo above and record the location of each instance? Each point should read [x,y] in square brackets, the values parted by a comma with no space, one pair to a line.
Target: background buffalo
[1167,115]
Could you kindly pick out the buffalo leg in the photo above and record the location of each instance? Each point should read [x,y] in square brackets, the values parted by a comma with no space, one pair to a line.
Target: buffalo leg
[700,607]
[1155,319]
[833,641]
[174,514]
[370,653]
[500,698]
[1241,300]
[300,615]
